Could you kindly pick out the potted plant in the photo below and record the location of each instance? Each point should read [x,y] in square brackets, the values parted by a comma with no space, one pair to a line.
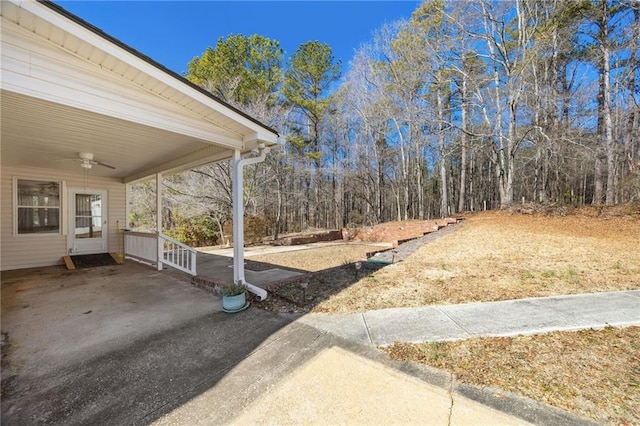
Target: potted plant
[234,297]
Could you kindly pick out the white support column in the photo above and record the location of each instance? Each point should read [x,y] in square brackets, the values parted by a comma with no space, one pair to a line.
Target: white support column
[238,219]
[122,250]
[159,218]
[127,209]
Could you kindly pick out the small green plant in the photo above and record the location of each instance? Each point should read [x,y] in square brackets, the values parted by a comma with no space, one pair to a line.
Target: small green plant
[233,289]
[527,276]
[547,274]
[285,291]
[571,276]
[617,265]
[435,351]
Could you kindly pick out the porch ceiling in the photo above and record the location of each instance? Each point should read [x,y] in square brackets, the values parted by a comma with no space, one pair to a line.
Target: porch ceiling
[43,134]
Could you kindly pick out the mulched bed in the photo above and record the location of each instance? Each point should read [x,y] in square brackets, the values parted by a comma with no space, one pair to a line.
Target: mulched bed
[291,297]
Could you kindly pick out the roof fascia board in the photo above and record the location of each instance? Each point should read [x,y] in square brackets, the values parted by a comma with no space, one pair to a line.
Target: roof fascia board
[260,137]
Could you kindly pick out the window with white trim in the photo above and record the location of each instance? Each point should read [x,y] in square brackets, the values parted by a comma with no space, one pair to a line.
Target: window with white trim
[37,206]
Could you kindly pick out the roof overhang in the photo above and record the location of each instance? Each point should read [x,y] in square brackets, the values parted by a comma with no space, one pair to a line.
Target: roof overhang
[67,87]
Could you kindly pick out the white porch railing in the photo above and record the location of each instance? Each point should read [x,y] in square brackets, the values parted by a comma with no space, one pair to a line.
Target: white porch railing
[141,246]
[145,247]
[177,254]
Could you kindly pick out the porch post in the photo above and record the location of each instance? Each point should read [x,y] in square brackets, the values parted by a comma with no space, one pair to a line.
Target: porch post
[127,210]
[121,232]
[238,219]
[159,218]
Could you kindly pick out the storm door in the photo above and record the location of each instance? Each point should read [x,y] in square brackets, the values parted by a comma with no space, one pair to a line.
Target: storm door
[87,221]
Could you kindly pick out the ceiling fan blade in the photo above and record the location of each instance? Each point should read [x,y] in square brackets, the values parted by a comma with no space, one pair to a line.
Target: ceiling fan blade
[100,163]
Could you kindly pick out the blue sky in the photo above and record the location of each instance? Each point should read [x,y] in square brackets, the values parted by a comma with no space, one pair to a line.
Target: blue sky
[173,32]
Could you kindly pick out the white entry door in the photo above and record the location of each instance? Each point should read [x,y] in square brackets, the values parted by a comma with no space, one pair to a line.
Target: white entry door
[88,231]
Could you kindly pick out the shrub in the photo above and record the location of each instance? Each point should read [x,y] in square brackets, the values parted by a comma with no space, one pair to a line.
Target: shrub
[196,231]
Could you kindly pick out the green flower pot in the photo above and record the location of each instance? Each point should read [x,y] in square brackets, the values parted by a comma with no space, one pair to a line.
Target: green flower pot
[234,303]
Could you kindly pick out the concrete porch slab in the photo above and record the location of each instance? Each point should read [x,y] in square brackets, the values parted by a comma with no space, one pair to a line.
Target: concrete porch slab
[219,269]
[99,307]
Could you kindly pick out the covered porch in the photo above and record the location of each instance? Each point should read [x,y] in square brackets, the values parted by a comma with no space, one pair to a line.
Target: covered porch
[83,116]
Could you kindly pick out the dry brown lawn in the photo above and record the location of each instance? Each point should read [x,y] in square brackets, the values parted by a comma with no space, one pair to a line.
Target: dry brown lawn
[497,256]
[317,259]
[592,373]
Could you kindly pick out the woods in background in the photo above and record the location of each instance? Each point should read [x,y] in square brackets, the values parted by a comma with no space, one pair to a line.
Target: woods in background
[466,106]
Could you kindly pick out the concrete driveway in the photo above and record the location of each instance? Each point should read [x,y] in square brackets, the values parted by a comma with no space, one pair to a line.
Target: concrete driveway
[129,345]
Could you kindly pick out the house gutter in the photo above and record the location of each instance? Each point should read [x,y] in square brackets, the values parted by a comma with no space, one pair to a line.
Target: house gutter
[238,218]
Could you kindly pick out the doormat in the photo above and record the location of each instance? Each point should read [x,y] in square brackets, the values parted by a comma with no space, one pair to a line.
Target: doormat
[93,260]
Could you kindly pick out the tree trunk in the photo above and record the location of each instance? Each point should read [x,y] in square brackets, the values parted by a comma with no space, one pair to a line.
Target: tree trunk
[597,181]
[444,195]
[463,143]
[604,98]
[631,137]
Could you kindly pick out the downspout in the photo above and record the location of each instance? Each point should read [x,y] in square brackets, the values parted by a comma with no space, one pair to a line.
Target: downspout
[238,218]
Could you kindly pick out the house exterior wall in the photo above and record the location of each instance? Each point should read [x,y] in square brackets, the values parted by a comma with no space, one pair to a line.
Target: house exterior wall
[27,251]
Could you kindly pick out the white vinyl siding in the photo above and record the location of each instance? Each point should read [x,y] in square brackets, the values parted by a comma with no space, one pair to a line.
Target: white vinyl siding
[34,250]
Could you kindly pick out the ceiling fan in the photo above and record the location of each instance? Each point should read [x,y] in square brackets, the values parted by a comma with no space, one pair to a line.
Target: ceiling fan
[87,161]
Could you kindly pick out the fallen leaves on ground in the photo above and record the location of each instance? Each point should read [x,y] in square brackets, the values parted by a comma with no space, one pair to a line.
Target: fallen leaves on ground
[593,373]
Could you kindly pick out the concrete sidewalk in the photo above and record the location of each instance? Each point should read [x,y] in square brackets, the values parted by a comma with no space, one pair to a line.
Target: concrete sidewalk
[505,318]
